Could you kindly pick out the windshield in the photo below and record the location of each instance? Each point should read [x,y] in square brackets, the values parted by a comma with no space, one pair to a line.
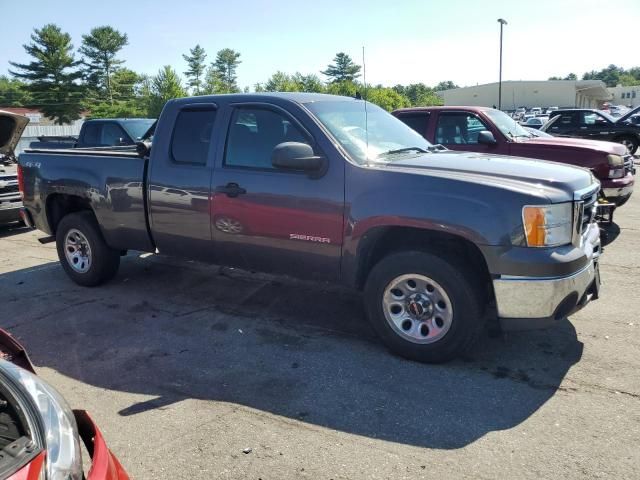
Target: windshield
[507,125]
[385,136]
[136,128]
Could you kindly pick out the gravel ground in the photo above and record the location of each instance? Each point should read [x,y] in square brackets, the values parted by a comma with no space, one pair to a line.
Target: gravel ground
[185,365]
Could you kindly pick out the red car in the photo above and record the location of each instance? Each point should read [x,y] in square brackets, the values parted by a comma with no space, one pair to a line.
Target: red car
[39,434]
[487,130]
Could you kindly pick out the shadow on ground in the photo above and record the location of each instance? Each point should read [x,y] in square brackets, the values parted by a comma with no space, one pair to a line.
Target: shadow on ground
[175,330]
[609,233]
[10,229]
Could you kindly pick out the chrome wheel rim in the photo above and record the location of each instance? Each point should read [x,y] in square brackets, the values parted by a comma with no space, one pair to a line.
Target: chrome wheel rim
[417,308]
[228,225]
[77,251]
[627,143]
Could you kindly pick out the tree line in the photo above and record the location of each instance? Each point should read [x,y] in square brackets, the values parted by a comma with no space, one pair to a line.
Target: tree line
[65,83]
[611,76]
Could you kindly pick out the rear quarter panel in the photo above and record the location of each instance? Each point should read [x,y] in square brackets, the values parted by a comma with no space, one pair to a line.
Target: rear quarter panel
[112,185]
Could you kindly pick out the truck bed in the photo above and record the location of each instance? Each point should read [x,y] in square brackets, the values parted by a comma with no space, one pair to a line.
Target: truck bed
[111,181]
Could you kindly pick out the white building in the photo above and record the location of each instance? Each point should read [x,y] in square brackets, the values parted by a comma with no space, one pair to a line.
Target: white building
[629,96]
[525,93]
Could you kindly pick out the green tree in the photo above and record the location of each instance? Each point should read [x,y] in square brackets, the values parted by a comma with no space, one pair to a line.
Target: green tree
[343,69]
[281,82]
[52,75]
[387,98]
[346,88]
[627,80]
[213,83]
[164,86]
[128,97]
[225,65]
[309,83]
[197,67]
[609,75]
[448,85]
[13,92]
[99,50]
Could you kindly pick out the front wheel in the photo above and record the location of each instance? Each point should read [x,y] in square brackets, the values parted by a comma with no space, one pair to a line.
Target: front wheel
[424,307]
[82,251]
[629,142]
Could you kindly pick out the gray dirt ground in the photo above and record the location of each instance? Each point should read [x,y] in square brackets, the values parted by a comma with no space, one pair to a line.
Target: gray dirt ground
[184,365]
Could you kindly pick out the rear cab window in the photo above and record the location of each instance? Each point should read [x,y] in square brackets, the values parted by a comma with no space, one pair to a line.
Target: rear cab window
[192,135]
[418,121]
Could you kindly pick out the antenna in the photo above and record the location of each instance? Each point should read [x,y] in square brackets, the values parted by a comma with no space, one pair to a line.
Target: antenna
[366,118]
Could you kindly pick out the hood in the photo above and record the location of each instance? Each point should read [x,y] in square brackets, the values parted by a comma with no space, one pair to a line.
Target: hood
[628,115]
[11,128]
[598,145]
[557,182]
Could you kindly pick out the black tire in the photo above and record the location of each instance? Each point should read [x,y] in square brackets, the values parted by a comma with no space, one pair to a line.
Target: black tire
[104,260]
[632,143]
[463,287]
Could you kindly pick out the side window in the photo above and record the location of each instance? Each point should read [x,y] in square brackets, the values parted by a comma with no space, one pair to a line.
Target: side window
[253,134]
[92,132]
[192,136]
[111,134]
[458,129]
[566,120]
[416,121]
[592,118]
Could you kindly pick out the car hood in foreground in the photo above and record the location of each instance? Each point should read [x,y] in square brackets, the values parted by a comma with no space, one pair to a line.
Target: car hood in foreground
[557,182]
[11,128]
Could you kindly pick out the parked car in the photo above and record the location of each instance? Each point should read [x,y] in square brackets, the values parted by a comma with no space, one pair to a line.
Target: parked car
[431,237]
[11,128]
[519,113]
[536,133]
[486,130]
[550,109]
[101,132]
[535,122]
[536,111]
[39,433]
[594,125]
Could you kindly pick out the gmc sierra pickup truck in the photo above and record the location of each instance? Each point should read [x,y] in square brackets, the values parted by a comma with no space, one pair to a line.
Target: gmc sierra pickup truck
[332,189]
[487,130]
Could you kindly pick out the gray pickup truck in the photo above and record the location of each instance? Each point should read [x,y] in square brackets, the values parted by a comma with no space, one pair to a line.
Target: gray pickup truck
[332,189]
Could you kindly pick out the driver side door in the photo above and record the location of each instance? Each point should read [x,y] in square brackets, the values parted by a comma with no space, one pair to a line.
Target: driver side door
[459,131]
[272,220]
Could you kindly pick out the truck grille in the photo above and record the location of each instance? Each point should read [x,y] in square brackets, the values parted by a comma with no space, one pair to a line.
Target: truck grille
[628,164]
[588,210]
[9,189]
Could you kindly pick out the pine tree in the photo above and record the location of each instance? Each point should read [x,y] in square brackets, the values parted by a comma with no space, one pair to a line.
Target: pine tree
[52,75]
[196,68]
[227,61]
[342,70]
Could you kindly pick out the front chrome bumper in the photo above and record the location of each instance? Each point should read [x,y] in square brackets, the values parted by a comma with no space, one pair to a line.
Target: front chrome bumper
[538,302]
[618,192]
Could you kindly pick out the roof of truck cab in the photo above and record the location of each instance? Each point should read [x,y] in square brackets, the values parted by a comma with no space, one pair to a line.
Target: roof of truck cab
[298,97]
[442,107]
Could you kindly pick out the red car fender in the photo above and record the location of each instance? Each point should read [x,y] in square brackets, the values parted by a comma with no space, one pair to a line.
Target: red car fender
[11,350]
[104,465]
[31,471]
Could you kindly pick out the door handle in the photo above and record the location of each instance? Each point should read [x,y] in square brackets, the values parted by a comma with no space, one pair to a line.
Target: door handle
[230,190]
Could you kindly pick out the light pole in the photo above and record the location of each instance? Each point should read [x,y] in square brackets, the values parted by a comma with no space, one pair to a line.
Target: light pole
[502,23]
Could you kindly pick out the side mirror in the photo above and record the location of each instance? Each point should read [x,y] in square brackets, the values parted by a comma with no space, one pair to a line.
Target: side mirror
[485,137]
[297,156]
[143,148]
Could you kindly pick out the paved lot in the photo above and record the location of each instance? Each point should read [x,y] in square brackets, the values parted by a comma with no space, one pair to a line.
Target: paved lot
[184,365]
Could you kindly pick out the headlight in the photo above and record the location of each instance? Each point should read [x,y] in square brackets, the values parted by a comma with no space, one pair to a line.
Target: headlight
[57,422]
[548,225]
[615,161]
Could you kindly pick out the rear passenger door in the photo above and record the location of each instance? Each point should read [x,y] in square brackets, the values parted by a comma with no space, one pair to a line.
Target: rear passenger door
[269,219]
[179,184]
[418,121]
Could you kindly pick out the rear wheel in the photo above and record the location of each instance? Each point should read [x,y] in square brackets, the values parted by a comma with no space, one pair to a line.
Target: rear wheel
[82,251]
[424,307]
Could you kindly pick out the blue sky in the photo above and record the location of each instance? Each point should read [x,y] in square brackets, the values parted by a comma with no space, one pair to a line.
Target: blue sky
[406,41]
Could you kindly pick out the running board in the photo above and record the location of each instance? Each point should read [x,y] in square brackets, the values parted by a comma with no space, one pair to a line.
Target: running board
[48,239]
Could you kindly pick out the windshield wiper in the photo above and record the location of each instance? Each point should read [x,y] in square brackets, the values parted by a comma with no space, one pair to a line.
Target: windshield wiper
[402,150]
